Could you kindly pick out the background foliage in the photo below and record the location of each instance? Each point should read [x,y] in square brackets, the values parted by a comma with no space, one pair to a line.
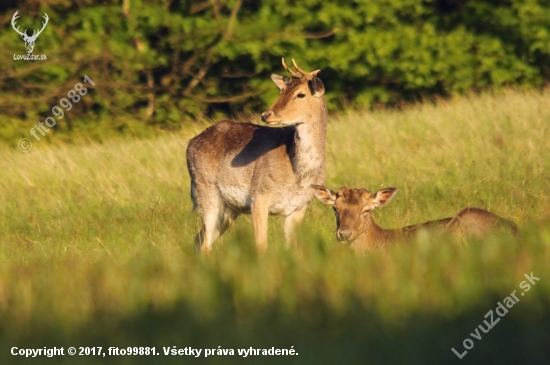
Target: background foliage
[161,63]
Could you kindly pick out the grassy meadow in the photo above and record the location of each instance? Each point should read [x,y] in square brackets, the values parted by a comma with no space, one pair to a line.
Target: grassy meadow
[96,247]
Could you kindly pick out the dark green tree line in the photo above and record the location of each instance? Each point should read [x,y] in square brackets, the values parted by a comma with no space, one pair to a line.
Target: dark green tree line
[163,62]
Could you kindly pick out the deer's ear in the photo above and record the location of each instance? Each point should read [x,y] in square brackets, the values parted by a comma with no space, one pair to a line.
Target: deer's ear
[325,195]
[384,196]
[317,87]
[280,81]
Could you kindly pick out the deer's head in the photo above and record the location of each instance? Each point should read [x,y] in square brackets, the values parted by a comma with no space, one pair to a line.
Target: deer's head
[29,40]
[302,95]
[352,208]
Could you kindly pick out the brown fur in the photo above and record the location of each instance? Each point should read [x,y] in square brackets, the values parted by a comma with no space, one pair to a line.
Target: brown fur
[355,224]
[245,168]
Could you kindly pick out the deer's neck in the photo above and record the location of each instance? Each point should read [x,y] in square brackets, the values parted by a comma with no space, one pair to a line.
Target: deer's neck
[374,236]
[308,157]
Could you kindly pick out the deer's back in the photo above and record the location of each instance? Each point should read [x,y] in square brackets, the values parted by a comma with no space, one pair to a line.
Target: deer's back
[479,222]
[242,160]
[438,224]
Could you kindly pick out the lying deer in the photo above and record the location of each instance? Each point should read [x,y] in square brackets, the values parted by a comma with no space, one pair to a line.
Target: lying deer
[355,224]
[245,168]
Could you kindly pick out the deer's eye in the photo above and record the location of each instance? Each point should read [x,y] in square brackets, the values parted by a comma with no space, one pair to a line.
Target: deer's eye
[301,96]
[336,212]
[365,212]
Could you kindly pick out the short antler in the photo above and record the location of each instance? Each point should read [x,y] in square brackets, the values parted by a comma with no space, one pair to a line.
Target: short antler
[13,19]
[294,74]
[301,73]
[306,74]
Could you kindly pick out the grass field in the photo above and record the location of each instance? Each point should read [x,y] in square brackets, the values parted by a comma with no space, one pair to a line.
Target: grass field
[96,248]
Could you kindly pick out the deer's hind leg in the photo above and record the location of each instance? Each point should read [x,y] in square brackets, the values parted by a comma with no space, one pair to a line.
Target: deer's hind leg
[217,218]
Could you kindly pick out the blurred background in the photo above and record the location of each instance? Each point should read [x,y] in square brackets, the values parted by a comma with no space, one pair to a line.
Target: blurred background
[161,64]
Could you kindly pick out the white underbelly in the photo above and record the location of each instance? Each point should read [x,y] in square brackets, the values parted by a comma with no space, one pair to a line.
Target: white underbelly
[241,200]
[235,196]
[289,203]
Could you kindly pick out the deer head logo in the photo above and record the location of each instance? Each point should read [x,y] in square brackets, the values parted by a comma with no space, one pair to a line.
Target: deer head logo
[29,41]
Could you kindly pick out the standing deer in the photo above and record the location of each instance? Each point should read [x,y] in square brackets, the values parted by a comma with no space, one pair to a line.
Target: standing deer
[245,168]
[355,224]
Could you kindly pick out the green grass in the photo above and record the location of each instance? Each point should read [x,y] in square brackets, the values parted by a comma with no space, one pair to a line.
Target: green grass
[96,247]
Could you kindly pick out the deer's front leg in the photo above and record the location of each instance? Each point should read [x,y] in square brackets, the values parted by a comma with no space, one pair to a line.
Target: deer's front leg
[260,212]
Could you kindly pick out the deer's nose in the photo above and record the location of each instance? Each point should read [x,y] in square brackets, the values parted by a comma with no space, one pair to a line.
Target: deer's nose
[266,114]
[344,234]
